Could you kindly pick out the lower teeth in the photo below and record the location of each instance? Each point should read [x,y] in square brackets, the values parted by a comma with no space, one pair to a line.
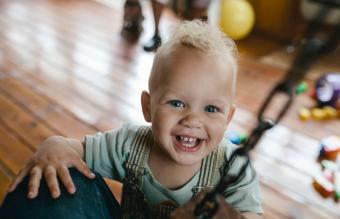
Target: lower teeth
[188,146]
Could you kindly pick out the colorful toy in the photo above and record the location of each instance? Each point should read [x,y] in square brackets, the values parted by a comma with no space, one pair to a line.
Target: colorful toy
[324,113]
[329,165]
[330,147]
[236,138]
[328,181]
[323,186]
[303,87]
[305,114]
[328,174]
[327,90]
[330,112]
[237,18]
[318,114]
[327,95]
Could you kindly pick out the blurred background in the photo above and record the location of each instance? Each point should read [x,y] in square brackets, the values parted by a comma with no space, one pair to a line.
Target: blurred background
[76,67]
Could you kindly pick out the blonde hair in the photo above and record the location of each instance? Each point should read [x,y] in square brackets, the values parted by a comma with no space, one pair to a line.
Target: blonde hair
[201,36]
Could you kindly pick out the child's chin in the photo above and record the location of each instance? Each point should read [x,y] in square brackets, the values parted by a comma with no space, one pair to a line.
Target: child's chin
[188,162]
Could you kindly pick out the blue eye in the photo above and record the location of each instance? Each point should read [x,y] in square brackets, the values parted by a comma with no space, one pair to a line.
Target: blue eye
[176,103]
[211,109]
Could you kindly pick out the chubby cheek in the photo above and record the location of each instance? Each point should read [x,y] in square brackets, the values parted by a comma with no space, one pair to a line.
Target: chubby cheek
[163,123]
[216,133]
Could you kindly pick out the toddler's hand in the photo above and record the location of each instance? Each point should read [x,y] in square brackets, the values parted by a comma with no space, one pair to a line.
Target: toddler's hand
[52,160]
[224,211]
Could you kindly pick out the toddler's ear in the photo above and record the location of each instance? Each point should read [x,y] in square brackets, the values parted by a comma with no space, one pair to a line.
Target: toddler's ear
[145,101]
[231,113]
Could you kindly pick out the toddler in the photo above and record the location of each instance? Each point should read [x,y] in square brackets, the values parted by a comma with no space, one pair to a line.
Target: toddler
[163,166]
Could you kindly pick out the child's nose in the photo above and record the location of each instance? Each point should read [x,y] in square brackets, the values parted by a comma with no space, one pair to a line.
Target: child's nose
[191,120]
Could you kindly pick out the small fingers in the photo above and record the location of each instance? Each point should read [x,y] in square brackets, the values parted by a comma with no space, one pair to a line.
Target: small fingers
[187,210]
[65,177]
[82,167]
[34,182]
[50,174]
[225,210]
[19,178]
[191,205]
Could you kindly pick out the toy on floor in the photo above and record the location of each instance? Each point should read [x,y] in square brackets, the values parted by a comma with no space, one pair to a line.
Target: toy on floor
[327,183]
[237,18]
[327,97]
[327,90]
[236,137]
[323,186]
[303,87]
[329,148]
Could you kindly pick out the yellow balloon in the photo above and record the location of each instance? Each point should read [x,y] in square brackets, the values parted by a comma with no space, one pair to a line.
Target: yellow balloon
[237,18]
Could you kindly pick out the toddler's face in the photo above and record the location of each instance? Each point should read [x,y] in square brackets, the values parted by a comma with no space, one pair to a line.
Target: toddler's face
[190,107]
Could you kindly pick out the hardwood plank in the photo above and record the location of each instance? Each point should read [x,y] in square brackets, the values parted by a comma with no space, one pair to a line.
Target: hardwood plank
[14,153]
[13,156]
[97,40]
[27,55]
[279,205]
[85,72]
[79,108]
[298,184]
[46,110]
[94,53]
[60,79]
[32,130]
[5,182]
[126,50]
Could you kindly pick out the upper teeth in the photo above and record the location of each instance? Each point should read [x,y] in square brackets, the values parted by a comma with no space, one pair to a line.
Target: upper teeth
[189,139]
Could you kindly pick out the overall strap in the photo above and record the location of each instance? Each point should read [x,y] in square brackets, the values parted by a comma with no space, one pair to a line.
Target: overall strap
[140,149]
[134,205]
[210,170]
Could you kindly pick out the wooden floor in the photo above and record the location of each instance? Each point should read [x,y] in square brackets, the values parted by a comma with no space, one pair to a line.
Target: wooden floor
[65,70]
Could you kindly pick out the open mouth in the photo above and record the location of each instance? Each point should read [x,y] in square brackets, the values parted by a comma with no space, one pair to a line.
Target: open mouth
[187,143]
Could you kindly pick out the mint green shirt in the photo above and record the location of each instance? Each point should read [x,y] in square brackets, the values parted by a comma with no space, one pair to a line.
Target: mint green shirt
[107,153]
